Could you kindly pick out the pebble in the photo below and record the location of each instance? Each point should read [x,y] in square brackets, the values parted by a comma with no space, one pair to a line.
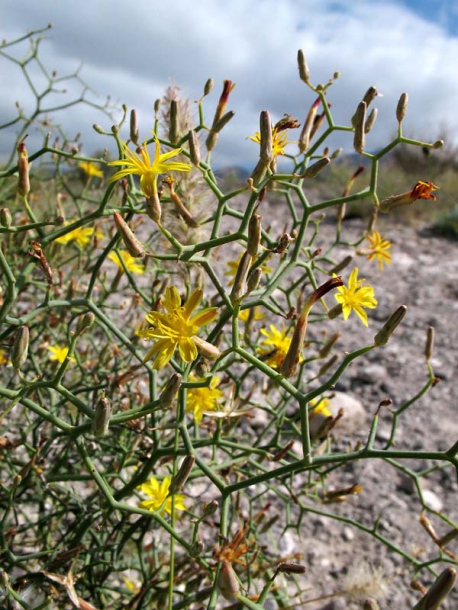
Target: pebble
[432,500]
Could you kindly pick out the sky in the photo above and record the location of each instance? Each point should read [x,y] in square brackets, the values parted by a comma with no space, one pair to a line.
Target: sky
[132,51]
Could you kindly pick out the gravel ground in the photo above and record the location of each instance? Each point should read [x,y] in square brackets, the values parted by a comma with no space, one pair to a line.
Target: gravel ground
[422,276]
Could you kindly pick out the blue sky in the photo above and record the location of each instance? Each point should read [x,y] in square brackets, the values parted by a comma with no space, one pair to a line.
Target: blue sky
[132,51]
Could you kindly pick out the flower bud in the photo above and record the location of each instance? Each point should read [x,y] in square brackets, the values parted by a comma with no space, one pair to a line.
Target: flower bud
[23,170]
[291,362]
[173,122]
[254,235]
[133,246]
[194,149]
[336,153]
[327,365]
[227,581]
[153,208]
[313,170]
[382,337]
[98,129]
[206,349]
[240,277]
[327,347]
[170,391]
[157,105]
[370,120]
[178,481]
[208,86]
[210,509]
[370,604]
[342,265]
[288,567]
[253,281]
[85,322]
[5,218]
[102,416]
[335,312]
[359,139]
[438,144]
[304,73]
[401,108]
[429,343]
[20,347]
[197,548]
[438,591]
[134,135]
[114,130]
[304,138]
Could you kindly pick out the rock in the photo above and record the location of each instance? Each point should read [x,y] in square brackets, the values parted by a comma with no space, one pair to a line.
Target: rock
[432,500]
[372,373]
[354,418]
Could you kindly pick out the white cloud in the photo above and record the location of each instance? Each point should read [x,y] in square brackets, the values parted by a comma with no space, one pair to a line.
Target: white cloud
[131,51]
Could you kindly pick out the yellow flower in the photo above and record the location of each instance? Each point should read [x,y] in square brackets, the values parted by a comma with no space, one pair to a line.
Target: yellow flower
[355,297]
[320,407]
[59,353]
[132,264]
[177,327]
[234,265]
[279,141]
[276,346]
[421,190]
[3,358]
[91,169]
[140,165]
[81,235]
[159,498]
[379,249]
[202,399]
[244,314]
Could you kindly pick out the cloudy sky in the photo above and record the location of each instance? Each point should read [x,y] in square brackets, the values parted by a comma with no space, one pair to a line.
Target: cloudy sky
[133,50]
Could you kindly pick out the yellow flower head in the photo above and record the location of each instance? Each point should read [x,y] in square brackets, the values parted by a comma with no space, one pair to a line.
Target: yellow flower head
[257,314]
[279,141]
[158,496]
[356,297]
[176,327]
[59,353]
[319,407]
[130,263]
[203,399]
[81,235]
[276,346]
[3,358]
[379,249]
[141,165]
[91,169]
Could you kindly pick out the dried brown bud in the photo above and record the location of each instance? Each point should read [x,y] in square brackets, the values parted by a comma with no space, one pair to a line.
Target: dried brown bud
[208,86]
[289,567]
[194,148]
[5,218]
[23,170]
[429,343]
[438,591]
[133,246]
[206,349]
[313,170]
[254,235]
[134,134]
[240,277]
[170,391]
[173,122]
[370,120]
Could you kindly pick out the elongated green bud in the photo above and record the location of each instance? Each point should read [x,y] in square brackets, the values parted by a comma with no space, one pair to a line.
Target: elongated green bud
[102,414]
[153,208]
[99,129]
[5,218]
[254,235]
[20,347]
[370,120]
[327,347]
[133,246]
[383,336]
[359,139]
[224,120]
[197,548]
[194,148]
[85,322]
[304,72]
[401,108]
[335,312]
[210,509]
[253,281]
[368,98]
[208,86]
[438,591]
[313,170]
[179,480]
[327,365]
[206,349]
[170,391]
[341,266]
